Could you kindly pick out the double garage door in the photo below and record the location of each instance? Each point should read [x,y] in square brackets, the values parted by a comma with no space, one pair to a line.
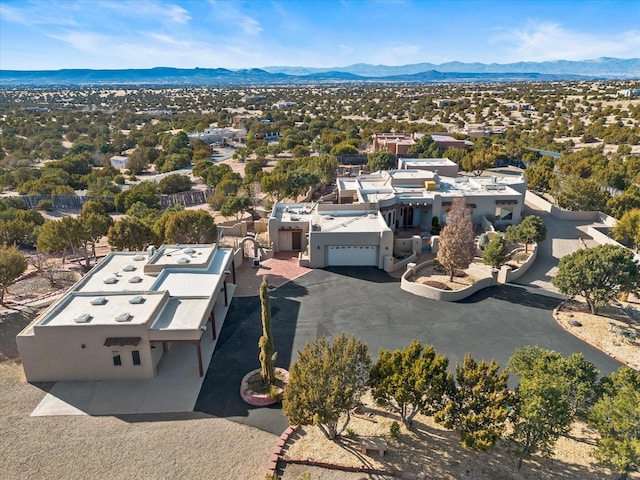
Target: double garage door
[362,255]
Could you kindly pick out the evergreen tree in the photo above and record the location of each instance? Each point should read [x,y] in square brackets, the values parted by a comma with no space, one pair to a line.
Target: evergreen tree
[12,265]
[267,354]
[325,383]
[479,407]
[410,380]
[496,252]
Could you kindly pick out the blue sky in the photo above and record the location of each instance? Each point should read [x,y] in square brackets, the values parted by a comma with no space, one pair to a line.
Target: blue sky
[109,34]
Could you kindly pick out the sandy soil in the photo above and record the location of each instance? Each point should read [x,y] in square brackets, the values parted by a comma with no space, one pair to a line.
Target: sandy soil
[191,445]
[431,450]
[605,331]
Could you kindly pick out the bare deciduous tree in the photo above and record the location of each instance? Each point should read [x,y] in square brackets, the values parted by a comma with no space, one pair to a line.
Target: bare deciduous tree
[457,245]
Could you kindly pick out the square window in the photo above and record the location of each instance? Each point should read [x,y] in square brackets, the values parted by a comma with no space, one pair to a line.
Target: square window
[135,355]
[504,213]
[117,359]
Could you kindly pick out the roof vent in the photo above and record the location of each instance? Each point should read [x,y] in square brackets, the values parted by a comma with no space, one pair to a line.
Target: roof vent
[136,299]
[110,280]
[373,216]
[98,301]
[183,260]
[122,317]
[128,268]
[135,279]
[189,250]
[82,317]
[138,258]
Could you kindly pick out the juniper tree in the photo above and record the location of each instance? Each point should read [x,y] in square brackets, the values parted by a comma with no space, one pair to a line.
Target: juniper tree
[325,383]
[411,380]
[267,354]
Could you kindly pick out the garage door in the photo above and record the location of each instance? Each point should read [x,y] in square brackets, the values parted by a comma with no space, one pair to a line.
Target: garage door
[353,256]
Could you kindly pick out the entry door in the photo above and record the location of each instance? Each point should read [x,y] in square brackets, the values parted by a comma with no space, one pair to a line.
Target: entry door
[296,240]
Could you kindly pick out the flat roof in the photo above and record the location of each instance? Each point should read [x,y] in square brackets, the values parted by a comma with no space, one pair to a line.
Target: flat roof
[182,255]
[345,221]
[194,282]
[293,212]
[118,271]
[444,162]
[179,315]
[176,297]
[83,309]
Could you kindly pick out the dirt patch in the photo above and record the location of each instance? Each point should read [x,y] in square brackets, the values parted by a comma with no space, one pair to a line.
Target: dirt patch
[612,331]
[435,276]
[431,450]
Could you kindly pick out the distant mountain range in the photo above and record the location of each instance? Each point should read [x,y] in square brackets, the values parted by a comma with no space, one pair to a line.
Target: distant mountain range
[600,67]
[417,73]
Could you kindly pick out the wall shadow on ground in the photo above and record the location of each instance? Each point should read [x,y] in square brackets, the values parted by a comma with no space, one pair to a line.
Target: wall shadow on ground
[516,295]
[369,274]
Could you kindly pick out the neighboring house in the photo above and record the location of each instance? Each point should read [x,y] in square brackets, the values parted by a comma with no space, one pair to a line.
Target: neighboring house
[633,92]
[331,235]
[446,140]
[484,130]
[282,105]
[119,162]
[441,166]
[119,319]
[212,135]
[396,143]
[371,208]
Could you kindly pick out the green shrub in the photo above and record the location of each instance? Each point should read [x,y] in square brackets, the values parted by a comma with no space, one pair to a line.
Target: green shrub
[45,205]
[394,430]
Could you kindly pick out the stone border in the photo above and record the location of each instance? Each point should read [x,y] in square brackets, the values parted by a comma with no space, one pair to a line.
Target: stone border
[260,399]
[276,453]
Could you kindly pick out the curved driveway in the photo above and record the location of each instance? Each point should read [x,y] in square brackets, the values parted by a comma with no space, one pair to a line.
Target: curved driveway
[367,303]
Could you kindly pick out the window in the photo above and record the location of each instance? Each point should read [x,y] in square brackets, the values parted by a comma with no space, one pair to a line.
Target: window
[504,213]
[135,355]
[117,360]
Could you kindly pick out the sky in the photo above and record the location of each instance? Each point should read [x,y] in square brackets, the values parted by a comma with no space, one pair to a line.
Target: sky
[114,34]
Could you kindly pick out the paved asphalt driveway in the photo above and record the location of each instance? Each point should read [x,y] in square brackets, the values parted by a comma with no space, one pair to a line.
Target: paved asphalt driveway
[366,302]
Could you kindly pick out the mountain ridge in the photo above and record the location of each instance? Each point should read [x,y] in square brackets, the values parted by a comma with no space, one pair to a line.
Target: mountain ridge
[449,72]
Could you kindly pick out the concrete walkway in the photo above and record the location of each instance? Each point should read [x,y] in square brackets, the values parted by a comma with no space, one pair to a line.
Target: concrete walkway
[174,389]
[563,237]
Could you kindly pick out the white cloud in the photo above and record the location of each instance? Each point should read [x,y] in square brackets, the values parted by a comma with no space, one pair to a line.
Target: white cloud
[396,54]
[30,14]
[227,12]
[149,8]
[543,41]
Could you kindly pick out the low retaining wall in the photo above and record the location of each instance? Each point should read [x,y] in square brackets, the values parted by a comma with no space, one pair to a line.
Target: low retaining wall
[538,203]
[505,275]
[395,266]
[513,275]
[437,294]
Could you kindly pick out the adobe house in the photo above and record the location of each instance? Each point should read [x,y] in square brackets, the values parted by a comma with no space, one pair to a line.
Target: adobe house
[119,319]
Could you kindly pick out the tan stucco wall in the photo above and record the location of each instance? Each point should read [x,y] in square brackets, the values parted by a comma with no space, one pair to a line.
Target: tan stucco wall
[55,353]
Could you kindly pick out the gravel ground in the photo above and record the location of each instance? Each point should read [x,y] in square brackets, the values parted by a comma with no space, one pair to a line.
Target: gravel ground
[191,445]
[436,452]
